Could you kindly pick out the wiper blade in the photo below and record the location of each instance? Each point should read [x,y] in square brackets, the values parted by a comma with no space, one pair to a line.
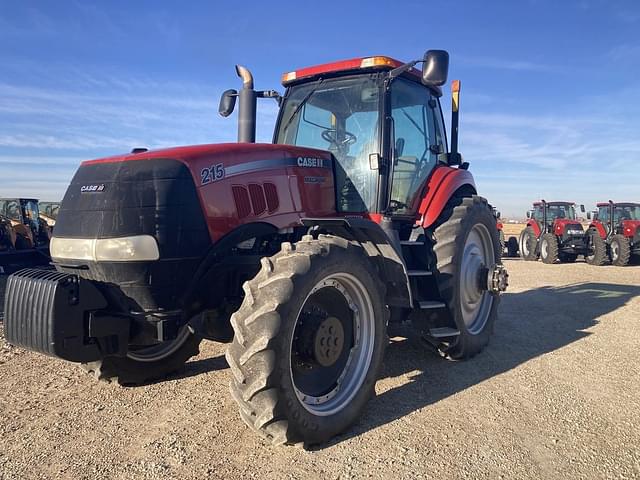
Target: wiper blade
[300,105]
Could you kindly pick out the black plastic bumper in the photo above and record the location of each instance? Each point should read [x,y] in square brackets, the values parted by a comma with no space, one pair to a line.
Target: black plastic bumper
[62,315]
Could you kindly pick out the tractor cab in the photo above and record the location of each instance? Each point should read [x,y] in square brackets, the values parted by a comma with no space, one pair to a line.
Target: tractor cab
[386,134]
[24,216]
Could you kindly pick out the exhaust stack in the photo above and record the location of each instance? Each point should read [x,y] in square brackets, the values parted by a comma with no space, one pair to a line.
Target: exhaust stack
[247,109]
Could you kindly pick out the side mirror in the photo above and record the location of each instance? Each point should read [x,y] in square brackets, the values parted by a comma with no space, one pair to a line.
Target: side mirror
[497,214]
[588,215]
[227,102]
[528,214]
[582,208]
[435,68]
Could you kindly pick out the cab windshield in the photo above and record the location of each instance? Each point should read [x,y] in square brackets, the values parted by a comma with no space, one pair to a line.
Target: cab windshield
[341,116]
[555,211]
[627,212]
[561,211]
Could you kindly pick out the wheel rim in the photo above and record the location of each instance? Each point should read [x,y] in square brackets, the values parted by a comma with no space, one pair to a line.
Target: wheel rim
[544,249]
[615,251]
[161,350]
[325,384]
[475,300]
[525,245]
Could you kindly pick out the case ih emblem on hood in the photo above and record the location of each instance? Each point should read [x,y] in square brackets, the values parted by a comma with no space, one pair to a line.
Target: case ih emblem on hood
[310,162]
[92,188]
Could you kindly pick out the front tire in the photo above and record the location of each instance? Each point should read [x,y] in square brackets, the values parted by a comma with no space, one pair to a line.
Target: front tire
[148,364]
[466,241]
[289,386]
[620,250]
[528,245]
[549,248]
[599,248]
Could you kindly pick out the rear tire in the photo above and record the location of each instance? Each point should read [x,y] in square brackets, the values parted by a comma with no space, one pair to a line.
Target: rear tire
[599,248]
[528,245]
[620,250]
[466,232]
[549,248]
[139,368]
[285,387]
[502,242]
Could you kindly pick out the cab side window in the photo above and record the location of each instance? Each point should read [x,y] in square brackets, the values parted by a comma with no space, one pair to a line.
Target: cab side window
[418,140]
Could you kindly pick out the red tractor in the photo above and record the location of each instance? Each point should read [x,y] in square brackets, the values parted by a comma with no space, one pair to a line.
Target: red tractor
[553,233]
[615,233]
[299,253]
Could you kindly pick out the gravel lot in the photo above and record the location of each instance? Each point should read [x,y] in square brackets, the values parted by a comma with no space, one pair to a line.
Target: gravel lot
[556,394]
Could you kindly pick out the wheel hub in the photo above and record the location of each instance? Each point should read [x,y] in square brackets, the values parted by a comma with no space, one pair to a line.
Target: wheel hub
[328,342]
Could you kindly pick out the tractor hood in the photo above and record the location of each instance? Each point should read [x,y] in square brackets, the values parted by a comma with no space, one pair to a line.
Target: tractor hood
[172,205]
[565,226]
[630,227]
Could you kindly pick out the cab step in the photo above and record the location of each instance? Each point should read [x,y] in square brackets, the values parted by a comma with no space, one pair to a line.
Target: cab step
[419,273]
[443,332]
[430,305]
[411,243]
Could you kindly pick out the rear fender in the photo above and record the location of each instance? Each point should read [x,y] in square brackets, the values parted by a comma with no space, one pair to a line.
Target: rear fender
[378,246]
[441,185]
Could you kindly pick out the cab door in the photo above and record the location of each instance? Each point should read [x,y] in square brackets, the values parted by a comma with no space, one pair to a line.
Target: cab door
[418,140]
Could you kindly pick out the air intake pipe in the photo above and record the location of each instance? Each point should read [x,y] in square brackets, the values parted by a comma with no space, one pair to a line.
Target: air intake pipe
[247,109]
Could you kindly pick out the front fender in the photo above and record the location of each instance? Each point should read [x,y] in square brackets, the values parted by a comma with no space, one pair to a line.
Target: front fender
[535,227]
[598,227]
[441,185]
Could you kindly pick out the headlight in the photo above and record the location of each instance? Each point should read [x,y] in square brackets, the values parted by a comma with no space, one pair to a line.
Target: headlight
[123,249]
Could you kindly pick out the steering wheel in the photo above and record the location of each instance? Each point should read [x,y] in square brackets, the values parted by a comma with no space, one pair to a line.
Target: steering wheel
[330,135]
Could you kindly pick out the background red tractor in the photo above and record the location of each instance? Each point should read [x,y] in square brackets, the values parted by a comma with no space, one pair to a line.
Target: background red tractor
[553,233]
[299,252]
[615,233]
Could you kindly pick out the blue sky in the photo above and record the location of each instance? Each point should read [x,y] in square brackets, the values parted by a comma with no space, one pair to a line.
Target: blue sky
[550,90]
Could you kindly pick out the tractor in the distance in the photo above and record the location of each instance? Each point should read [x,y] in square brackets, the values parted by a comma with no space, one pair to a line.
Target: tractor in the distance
[31,231]
[615,233]
[299,253]
[508,247]
[553,233]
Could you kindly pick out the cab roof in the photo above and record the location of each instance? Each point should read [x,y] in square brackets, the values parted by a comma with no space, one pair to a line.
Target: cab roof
[536,204]
[619,204]
[357,64]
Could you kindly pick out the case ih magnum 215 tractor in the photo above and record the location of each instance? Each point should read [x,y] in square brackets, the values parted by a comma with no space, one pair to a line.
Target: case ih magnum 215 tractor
[615,233]
[553,233]
[298,252]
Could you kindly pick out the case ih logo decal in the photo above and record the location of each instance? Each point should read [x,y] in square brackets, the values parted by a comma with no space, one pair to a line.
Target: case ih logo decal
[212,174]
[92,188]
[218,172]
[310,162]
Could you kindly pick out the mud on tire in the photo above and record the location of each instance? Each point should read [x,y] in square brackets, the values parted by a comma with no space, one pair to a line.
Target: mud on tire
[264,357]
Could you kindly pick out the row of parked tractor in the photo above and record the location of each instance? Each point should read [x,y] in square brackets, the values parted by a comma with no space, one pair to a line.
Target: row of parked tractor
[26,226]
[554,233]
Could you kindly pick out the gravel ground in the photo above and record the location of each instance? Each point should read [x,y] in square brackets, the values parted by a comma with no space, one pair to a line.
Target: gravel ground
[556,394]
